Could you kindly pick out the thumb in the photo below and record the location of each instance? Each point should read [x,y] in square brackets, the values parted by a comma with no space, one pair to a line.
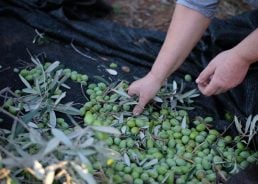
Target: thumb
[206,74]
[132,91]
[138,109]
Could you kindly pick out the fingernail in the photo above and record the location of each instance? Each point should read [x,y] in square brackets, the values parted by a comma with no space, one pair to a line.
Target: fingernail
[136,114]
[197,80]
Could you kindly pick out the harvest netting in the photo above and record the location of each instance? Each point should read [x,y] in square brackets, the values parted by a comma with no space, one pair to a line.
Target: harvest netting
[66,116]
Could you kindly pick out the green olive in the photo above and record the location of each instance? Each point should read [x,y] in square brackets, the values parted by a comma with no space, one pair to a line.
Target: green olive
[88,118]
[201,127]
[166,125]
[185,139]
[150,143]
[113,65]
[180,162]
[199,138]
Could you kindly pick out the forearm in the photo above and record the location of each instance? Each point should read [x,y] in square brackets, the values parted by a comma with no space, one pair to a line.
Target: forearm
[186,28]
[247,49]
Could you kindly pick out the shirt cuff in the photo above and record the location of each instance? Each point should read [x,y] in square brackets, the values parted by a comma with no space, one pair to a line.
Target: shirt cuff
[205,7]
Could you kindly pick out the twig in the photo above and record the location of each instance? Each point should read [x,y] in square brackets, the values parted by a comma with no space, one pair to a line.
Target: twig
[79,52]
[83,93]
[197,147]
[4,69]
[15,118]
[7,89]
[188,160]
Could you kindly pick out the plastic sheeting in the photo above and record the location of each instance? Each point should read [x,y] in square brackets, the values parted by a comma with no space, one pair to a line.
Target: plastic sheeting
[73,26]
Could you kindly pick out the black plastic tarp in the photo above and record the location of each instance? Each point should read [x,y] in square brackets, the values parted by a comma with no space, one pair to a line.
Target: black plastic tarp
[76,25]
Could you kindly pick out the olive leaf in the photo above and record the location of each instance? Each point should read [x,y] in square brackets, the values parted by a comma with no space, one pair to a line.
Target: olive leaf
[61,137]
[52,119]
[51,145]
[107,129]
[101,79]
[121,92]
[157,99]
[83,173]
[127,159]
[150,163]
[30,91]
[25,82]
[123,129]
[238,125]
[183,124]
[111,71]
[88,142]
[60,97]
[52,67]
[36,137]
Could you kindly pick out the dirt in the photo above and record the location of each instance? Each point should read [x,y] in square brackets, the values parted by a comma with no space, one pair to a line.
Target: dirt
[156,14]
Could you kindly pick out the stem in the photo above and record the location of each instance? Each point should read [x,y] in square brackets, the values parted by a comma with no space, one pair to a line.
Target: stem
[15,118]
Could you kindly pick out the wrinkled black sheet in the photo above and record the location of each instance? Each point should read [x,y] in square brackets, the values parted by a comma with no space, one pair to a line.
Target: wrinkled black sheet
[136,48]
[103,42]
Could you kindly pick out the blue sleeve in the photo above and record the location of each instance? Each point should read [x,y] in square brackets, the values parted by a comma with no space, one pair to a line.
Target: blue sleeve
[205,7]
[253,3]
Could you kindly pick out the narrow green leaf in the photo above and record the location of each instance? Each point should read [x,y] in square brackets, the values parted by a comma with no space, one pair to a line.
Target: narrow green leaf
[88,142]
[101,79]
[36,137]
[83,173]
[189,93]
[183,124]
[52,66]
[248,123]
[52,119]
[121,92]
[61,137]
[157,99]
[67,109]
[127,159]
[238,125]
[84,159]
[60,98]
[28,117]
[51,146]
[111,71]
[106,129]
[30,91]
[25,82]
[150,163]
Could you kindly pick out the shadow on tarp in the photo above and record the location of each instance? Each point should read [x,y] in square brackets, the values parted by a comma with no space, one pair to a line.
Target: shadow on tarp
[77,23]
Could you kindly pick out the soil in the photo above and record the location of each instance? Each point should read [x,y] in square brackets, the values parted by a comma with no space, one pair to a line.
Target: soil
[156,14]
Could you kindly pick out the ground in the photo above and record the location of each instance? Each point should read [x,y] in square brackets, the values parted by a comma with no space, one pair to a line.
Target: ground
[156,14]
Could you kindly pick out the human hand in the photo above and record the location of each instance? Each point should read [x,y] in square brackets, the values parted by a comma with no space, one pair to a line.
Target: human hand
[224,72]
[145,88]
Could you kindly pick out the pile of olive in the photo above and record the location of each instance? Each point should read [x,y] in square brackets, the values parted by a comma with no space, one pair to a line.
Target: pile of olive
[161,146]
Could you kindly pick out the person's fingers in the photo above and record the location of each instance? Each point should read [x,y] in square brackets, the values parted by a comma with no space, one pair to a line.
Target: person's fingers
[139,108]
[209,89]
[132,91]
[206,75]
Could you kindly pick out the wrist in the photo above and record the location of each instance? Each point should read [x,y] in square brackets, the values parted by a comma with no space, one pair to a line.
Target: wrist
[156,77]
[246,50]
[242,56]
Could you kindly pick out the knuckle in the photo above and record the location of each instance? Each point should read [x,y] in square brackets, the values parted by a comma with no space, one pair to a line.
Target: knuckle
[143,100]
